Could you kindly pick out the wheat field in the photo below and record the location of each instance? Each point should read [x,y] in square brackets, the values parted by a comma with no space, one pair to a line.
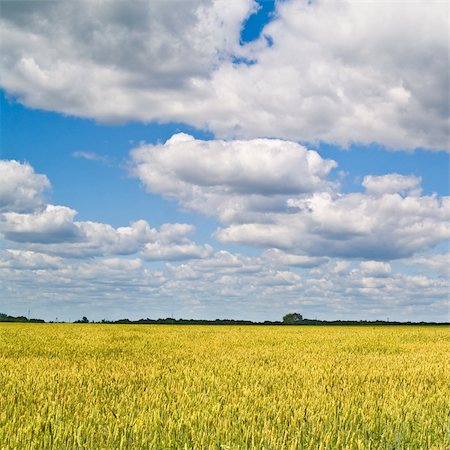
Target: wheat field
[86,386]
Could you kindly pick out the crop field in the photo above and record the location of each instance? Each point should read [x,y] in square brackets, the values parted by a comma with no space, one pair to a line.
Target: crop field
[65,386]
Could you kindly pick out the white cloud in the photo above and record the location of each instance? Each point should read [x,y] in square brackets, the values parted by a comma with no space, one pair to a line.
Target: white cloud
[273,193]
[175,252]
[375,268]
[51,229]
[230,177]
[91,156]
[351,225]
[340,72]
[391,184]
[115,61]
[341,267]
[437,262]
[21,190]
[222,285]
[51,225]
[54,232]
[277,256]
[343,72]
[259,166]
[25,259]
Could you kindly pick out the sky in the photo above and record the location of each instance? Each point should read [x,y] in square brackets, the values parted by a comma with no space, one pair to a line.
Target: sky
[215,159]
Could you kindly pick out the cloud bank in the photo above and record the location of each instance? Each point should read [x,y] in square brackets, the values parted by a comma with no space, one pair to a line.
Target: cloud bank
[223,285]
[52,262]
[27,220]
[273,193]
[339,72]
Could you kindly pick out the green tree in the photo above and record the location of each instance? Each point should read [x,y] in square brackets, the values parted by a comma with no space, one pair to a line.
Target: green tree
[292,318]
[83,320]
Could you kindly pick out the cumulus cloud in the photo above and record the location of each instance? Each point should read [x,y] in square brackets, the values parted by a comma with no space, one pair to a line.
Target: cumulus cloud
[351,225]
[224,284]
[375,268]
[436,262]
[340,72]
[343,72]
[259,166]
[27,220]
[51,225]
[277,256]
[21,190]
[230,177]
[28,260]
[113,61]
[175,252]
[391,184]
[54,232]
[273,193]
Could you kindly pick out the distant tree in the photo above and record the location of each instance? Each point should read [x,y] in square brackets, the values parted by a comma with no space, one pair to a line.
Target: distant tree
[83,320]
[292,318]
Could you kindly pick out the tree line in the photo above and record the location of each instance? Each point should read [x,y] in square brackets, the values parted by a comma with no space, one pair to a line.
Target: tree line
[6,318]
[288,319]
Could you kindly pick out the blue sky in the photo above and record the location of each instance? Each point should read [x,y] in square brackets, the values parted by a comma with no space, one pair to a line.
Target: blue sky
[48,141]
[152,171]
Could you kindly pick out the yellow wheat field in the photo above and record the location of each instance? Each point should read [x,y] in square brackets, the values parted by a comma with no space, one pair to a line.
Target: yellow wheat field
[223,387]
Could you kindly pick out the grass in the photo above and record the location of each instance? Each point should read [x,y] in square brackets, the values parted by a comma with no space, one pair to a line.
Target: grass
[224,387]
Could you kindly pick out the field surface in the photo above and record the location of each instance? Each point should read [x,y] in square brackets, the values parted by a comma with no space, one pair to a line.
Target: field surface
[223,387]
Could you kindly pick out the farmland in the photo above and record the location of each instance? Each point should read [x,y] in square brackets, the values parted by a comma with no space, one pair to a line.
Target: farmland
[67,386]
